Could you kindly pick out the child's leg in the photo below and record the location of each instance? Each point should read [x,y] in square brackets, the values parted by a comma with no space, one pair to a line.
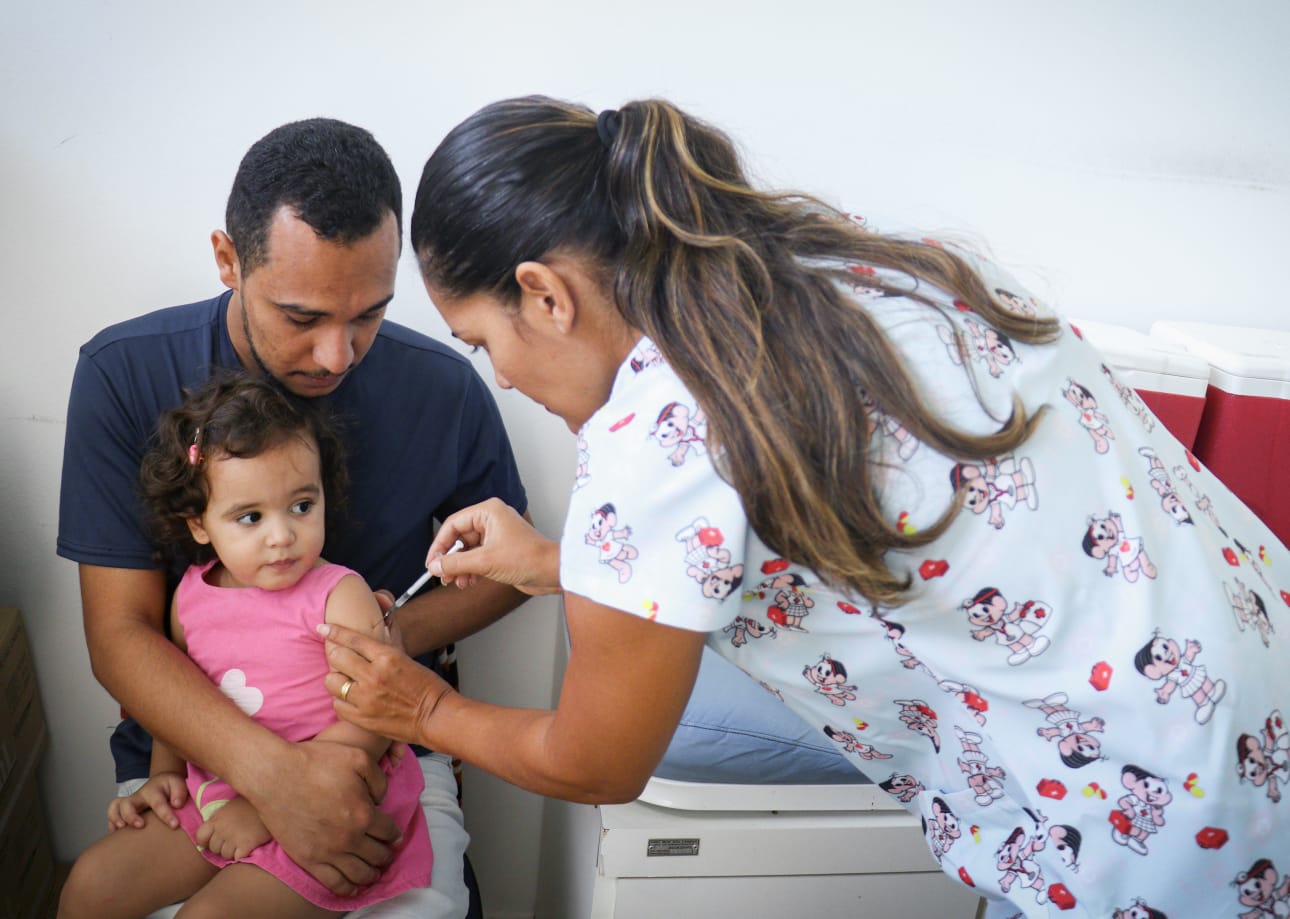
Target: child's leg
[132,872]
[249,892]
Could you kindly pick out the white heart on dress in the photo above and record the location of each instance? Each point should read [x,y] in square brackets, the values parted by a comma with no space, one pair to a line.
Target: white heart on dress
[247,698]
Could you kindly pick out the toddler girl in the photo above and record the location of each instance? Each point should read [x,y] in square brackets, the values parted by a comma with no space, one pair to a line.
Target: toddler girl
[237,483]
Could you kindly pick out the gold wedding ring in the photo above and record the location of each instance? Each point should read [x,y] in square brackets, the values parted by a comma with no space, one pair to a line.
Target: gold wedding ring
[344,690]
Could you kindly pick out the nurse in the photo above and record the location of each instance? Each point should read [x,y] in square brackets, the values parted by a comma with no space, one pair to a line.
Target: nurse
[614,266]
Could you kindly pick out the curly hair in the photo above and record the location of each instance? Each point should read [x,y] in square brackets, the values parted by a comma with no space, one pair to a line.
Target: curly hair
[230,415]
[332,175]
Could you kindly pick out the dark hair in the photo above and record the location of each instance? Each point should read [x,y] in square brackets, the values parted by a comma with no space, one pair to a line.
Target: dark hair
[1258,601]
[1260,867]
[1074,837]
[1137,772]
[709,268]
[230,415]
[1088,542]
[1083,390]
[1078,760]
[334,176]
[982,595]
[1241,743]
[1144,658]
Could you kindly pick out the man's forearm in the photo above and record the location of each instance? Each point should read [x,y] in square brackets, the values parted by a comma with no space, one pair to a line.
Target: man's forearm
[166,692]
[446,614]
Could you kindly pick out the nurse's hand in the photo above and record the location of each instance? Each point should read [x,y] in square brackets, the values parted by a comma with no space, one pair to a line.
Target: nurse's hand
[498,544]
[378,687]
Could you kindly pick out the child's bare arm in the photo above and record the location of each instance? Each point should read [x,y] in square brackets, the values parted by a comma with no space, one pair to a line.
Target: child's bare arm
[352,604]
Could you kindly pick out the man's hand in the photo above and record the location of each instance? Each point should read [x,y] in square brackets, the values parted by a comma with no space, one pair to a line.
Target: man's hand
[318,800]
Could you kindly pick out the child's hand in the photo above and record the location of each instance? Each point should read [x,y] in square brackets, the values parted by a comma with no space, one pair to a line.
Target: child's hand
[233,831]
[160,794]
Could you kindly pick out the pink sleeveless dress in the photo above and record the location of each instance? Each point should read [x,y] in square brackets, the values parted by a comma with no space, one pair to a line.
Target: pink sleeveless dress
[261,648]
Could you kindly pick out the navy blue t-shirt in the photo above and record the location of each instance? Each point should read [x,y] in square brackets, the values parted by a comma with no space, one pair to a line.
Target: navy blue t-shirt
[423,435]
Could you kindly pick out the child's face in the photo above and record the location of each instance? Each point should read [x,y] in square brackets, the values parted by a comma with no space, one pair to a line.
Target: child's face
[673,426]
[265,516]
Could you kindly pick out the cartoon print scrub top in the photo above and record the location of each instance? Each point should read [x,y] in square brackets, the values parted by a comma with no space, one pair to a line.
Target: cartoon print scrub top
[1082,698]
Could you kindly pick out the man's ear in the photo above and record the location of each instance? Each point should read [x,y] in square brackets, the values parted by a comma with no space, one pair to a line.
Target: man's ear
[200,536]
[545,296]
[226,260]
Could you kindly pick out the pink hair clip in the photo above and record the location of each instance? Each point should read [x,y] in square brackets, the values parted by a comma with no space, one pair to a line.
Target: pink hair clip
[194,453]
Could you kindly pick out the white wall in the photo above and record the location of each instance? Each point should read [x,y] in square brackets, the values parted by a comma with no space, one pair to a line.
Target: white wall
[1129,161]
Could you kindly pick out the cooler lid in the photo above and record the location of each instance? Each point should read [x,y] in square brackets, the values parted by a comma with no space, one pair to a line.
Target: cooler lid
[1129,349]
[1240,351]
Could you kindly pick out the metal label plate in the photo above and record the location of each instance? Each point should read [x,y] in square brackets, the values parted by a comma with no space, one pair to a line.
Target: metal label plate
[687,846]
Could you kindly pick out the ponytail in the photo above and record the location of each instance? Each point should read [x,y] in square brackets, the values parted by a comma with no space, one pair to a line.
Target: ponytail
[714,269]
[738,288]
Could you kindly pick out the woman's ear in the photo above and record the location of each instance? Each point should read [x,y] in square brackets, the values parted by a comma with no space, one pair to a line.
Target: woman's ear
[200,536]
[545,296]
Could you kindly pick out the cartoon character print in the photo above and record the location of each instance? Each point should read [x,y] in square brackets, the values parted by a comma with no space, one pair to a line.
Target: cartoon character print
[903,787]
[792,601]
[1015,858]
[982,778]
[1013,303]
[878,420]
[895,634]
[644,356]
[708,561]
[942,829]
[920,718]
[1132,401]
[864,283]
[1105,540]
[971,698]
[1258,887]
[1138,909]
[1090,418]
[610,540]
[679,430]
[990,486]
[1014,628]
[954,344]
[1076,744]
[582,476]
[1244,554]
[1170,503]
[991,347]
[853,744]
[1203,504]
[1066,841]
[1161,659]
[1141,813]
[1249,609]
[746,627]
[829,678]
[1263,759]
